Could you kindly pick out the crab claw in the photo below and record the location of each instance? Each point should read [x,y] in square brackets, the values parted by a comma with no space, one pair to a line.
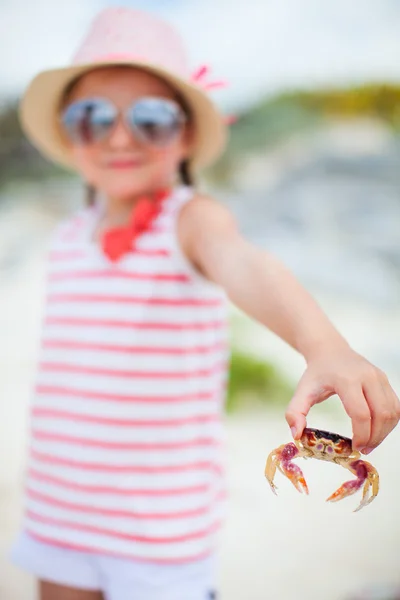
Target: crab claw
[367,475]
[281,458]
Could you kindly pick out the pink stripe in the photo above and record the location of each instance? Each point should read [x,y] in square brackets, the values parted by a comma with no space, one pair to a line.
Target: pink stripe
[152,252]
[83,508]
[72,321]
[119,274]
[48,367]
[123,536]
[60,414]
[72,229]
[193,302]
[154,470]
[102,551]
[66,391]
[61,255]
[72,345]
[86,442]
[64,255]
[96,489]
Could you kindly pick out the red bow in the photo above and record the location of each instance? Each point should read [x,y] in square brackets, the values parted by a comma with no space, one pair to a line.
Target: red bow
[120,240]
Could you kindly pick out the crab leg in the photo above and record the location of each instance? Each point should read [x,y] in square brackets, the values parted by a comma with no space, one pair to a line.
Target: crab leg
[366,474]
[281,458]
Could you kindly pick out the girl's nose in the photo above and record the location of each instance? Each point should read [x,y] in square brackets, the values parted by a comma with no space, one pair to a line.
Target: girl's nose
[120,137]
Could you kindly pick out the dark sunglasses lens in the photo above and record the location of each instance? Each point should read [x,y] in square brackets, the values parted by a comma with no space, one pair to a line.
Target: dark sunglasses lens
[88,121]
[157,121]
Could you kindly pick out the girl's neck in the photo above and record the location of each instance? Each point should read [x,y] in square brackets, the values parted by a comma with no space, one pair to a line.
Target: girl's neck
[117,211]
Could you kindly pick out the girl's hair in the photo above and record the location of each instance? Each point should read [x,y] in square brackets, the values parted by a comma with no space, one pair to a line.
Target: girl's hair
[184,171]
[90,197]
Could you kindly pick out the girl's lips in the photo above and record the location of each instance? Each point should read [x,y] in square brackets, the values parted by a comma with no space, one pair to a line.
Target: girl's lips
[124,163]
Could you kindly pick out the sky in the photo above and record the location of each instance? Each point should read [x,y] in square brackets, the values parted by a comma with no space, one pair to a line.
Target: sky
[259,46]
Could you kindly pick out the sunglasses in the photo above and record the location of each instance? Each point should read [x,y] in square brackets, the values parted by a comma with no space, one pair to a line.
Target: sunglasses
[154,121]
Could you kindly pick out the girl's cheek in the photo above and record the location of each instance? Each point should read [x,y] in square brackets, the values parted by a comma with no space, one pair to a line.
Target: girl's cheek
[169,157]
[79,157]
[85,161]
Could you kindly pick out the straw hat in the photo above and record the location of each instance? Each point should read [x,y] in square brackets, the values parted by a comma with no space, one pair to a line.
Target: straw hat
[122,36]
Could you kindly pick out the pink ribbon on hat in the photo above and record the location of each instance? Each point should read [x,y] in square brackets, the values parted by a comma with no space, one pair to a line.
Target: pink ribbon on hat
[201,74]
[200,77]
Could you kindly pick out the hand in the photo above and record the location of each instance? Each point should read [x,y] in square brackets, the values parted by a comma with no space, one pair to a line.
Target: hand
[364,390]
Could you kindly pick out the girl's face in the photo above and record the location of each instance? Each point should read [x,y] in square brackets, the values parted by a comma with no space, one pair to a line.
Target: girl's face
[121,165]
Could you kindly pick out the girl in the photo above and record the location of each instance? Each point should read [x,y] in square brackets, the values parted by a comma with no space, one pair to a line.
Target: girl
[125,486]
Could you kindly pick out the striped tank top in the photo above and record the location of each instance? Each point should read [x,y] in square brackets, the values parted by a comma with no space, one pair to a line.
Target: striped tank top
[126,426]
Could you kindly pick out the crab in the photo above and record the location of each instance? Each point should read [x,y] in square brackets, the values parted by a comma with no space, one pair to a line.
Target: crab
[324,445]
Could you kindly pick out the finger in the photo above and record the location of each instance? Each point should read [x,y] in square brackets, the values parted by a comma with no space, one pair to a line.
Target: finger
[396,404]
[394,399]
[383,404]
[299,408]
[356,406]
[381,414]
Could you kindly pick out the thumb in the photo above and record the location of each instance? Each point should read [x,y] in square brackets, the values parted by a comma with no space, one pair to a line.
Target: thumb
[298,409]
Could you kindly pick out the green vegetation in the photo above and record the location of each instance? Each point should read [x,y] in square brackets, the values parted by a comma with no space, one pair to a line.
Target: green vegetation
[18,160]
[254,382]
[274,119]
[377,101]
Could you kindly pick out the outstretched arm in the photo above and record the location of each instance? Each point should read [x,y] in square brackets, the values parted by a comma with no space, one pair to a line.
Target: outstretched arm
[266,290]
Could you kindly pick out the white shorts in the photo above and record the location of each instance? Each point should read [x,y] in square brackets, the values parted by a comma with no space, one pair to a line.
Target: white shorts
[117,579]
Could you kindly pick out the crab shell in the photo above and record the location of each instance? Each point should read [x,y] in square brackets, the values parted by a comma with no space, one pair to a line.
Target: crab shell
[325,445]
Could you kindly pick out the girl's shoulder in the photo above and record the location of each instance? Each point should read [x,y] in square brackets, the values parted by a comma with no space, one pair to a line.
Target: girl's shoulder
[200,211]
[191,202]
[187,210]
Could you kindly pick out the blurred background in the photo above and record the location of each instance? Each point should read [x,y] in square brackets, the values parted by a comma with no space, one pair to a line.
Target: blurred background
[313,174]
